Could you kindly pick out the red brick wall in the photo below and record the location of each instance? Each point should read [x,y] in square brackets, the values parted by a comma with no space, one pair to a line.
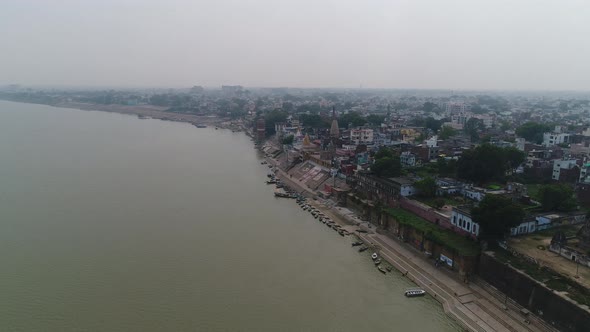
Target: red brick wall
[428,214]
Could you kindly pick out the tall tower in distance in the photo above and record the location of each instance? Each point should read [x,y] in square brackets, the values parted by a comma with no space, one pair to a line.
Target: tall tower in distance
[334,130]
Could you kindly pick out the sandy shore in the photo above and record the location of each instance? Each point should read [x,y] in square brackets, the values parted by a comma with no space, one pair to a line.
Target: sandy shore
[155,112]
[148,111]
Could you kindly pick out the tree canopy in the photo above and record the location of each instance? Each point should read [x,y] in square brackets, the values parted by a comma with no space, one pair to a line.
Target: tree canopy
[375,120]
[496,215]
[386,164]
[446,132]
[557,197]
[273,117]
[428,107]
[352,118]
[313,121]
[446,167]
[383,152]
[387,167]
[288,140]
[428,122]
[487,162]
[426,187]
[473,127]
[533,131]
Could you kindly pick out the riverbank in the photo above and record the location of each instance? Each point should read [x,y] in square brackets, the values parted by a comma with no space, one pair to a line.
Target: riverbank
[145,111]
[471,305]
[142,111]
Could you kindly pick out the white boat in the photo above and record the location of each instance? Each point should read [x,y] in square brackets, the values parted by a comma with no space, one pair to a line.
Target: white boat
[374,256]
[414,292]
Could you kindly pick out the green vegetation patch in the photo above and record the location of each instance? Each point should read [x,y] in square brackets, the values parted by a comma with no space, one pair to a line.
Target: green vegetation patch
[449,200]
[533,191]
[531,269]
[462,245]
[559,285]
[568,230]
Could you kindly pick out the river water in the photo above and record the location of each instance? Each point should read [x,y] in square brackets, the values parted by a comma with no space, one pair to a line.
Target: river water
[111,223]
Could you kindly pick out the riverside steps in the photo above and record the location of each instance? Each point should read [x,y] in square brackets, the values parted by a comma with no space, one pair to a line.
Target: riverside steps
[475,306]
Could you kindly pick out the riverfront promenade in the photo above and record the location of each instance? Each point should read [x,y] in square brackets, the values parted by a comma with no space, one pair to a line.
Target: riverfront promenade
[476,306]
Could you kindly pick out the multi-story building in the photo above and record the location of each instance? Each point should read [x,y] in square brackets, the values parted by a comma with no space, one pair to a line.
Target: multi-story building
[585,172]
[380,189]
[452,108]
[260,130]
[381,139]
[361,136]
[565,170]
[551,139]
[407,159]
[448,186]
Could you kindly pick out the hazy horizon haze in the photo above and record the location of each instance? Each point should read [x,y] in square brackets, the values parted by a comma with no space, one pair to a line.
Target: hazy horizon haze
[457,44]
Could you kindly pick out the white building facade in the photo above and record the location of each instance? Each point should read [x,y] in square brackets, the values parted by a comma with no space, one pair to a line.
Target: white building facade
[461,218]
[560,164]
[551,139]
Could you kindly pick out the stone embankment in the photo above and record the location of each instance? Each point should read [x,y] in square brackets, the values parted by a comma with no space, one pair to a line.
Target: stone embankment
[469,304]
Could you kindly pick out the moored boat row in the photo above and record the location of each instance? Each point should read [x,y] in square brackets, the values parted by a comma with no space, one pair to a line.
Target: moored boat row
[285,192]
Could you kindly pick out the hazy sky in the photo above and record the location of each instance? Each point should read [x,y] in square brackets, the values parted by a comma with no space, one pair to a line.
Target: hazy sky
[458,44]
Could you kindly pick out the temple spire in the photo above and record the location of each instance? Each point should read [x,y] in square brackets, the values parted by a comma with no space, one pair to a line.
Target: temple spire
[334,130]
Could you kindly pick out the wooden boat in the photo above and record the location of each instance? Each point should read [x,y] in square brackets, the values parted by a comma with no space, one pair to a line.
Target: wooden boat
[414,292]
[382,270]
[282,194]
[358,243]
[377,261]
[363,248]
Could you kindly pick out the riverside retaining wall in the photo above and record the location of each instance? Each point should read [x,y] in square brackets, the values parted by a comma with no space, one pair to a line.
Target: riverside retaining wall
[545,303]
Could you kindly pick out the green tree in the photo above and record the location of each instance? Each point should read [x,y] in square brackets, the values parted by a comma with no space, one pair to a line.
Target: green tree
[288,140]
[472,128]
[495,215]
[375,120]
[487,162]
[557,197]
[446,132]
[428,107]
[446,167]
[288,107]
[513,157]
[439,203]
[313,121]
[429,122]
[384,152]
[352,118]
[273,117]
[387,167]
[533,131]
[426,187]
